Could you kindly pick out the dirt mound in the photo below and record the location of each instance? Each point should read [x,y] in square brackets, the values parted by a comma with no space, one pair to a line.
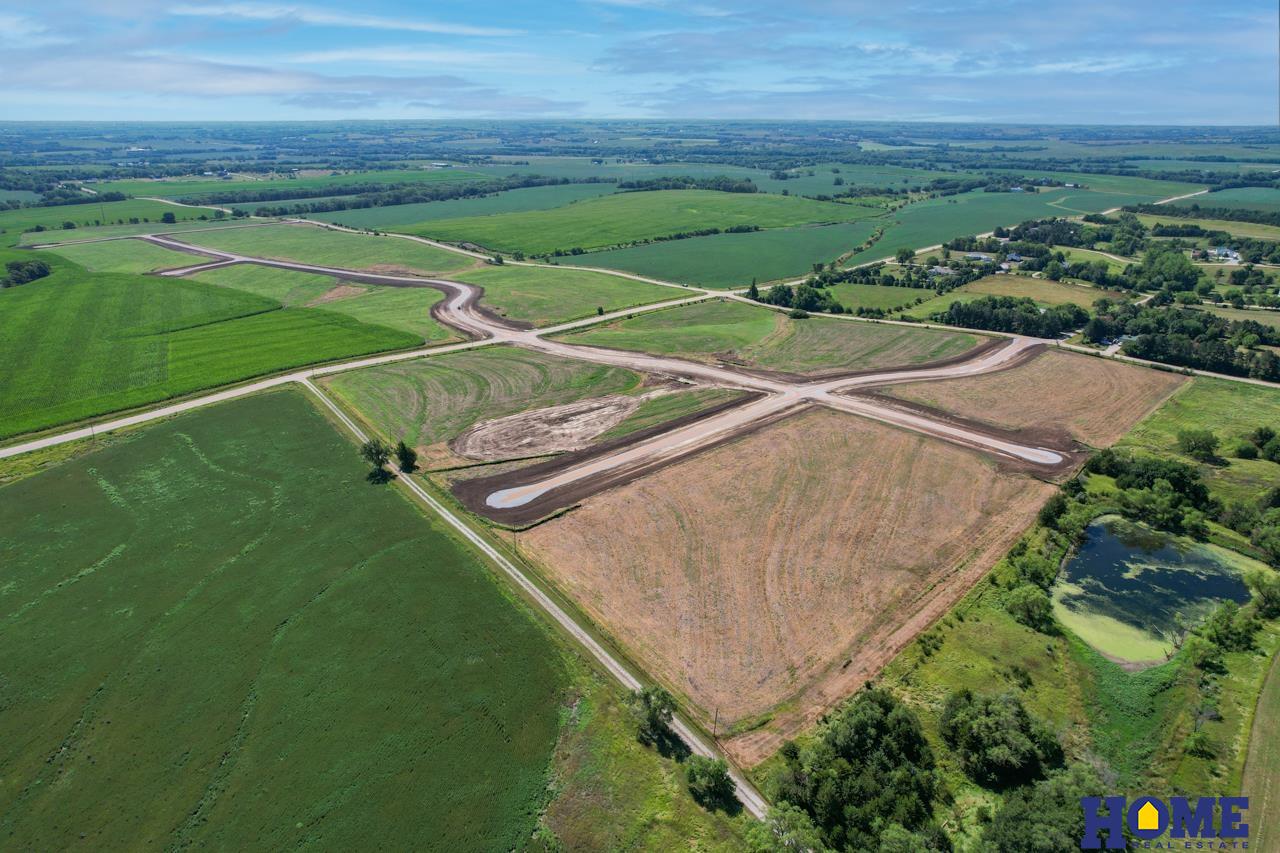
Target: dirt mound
[551,430]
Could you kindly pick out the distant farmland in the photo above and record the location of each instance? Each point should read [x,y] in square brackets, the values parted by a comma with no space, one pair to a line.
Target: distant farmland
[407,217]
[543,296]
[625,217]
[235,642]
[85,215]
[212,188]
[1262,199]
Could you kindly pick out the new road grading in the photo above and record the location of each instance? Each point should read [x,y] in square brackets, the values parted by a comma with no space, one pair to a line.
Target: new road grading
[535,493]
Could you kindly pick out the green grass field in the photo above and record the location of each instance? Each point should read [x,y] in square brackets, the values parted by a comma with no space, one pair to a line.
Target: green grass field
[667,407]
[133,256]
[1042,290]
[877,296]
[314,245]
[430,400]
[407,309]
[77,345]
[409,217]
[543,296]
[932,306]
[1262,199]
[1088,256]
[1125,185]
[217,634]
[1240,229]
[615,219]
[203,187]
[758,337]
[1230,410]
[733,260]
[14,222]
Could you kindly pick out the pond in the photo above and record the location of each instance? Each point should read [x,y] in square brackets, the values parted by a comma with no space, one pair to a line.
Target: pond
[1130,590]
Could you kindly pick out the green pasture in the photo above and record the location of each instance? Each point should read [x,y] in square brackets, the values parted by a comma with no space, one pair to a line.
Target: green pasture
[753,336]
[322,246]
[1230,410]
[409,217]
[1044,291]
[103,232]
[877,296]
[625,217]
[733,260]
[218,634]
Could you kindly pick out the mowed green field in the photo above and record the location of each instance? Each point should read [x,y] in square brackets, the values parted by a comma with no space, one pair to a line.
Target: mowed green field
[1042,290]
[430,400]
[134,256]
[758,337]
[315,245]
[1262,199]
[14,222]
[1230,410]
[877,296]
[622,218]
[77,344]
[1267,318]
[407,309]
[1127,185]
[543,295]
[407,217]
[205,187]
[218,634]
[95,233]
[733,260]
[1240,229]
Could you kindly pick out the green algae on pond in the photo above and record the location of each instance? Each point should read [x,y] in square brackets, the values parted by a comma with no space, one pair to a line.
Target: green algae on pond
[1130,590]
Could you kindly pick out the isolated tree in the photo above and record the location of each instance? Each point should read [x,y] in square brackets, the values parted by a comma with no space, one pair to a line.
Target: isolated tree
[1199,444]
[653,708]
[904,255]
[377,453]
[406,457]
[1030,605]
[709,782]
[753,292]
[168,218]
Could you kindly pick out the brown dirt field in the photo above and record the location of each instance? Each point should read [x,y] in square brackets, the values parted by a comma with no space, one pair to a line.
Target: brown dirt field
[333,294]
[778,572]
[554,429]
[1095,400]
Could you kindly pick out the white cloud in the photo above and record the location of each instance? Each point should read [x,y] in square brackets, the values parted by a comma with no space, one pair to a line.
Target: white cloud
[321,17]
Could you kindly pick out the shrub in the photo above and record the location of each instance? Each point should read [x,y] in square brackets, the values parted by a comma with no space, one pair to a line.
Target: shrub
[709,782]
[1246,450]
[1199,444]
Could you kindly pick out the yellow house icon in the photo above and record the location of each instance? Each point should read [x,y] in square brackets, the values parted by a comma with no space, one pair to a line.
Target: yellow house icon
[1148,817]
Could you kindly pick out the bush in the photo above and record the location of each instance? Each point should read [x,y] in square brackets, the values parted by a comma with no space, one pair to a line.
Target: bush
[998,742]
[1199,444]
[1045,817]
[1246,450]
[653,708]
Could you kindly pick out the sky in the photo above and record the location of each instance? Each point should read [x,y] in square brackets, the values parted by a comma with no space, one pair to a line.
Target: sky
[1034,61]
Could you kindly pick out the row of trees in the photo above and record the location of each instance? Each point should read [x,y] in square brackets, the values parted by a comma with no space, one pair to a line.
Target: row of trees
[1019,315]
[21,272]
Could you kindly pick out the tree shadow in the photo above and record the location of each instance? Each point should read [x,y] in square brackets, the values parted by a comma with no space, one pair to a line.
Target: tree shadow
[666,742]
[379,476]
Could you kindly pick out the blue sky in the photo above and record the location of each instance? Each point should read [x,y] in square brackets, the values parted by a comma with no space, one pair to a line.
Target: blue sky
[1114,62]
